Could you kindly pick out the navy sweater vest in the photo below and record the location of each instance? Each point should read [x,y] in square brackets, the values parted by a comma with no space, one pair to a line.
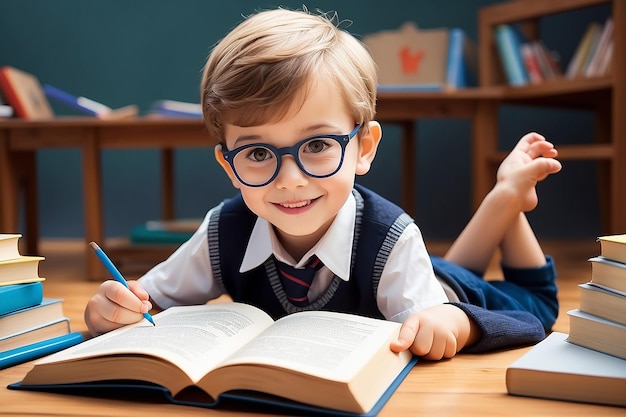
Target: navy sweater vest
[379,224]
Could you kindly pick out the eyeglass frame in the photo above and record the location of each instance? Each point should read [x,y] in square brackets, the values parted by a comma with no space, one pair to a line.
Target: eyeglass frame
[293,150]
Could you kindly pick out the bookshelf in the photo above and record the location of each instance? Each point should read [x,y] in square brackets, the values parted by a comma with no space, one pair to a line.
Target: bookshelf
[605,96]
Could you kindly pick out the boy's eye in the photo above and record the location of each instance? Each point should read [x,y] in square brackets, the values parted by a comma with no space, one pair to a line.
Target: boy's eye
[259,154]
[315,146]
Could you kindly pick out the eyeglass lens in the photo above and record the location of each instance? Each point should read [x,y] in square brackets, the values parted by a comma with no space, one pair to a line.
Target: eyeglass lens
[318,157]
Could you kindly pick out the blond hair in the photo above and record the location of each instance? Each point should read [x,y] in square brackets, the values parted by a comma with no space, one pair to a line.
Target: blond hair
[256,73]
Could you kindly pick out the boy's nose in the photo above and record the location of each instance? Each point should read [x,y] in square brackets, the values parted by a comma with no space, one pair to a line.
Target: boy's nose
[290,175]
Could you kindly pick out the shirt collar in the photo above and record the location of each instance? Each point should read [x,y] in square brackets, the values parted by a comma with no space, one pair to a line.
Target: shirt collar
[334,248]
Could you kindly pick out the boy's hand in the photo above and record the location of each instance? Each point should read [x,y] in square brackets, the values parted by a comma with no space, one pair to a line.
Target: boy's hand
[436,332]
[114,305]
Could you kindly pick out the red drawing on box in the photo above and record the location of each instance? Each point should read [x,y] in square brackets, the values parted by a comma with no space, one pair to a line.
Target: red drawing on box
[410,62]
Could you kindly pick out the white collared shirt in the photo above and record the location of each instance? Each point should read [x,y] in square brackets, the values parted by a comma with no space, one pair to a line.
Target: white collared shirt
[407,284]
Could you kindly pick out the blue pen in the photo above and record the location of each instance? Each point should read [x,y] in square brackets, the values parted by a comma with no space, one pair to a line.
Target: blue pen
[115,273]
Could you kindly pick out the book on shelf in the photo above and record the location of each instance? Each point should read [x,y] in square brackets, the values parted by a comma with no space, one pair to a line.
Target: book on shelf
[600,49]
[613,247]
[604,67]
[596,333]
[19,296]
[175,108]
[508,43]
[323,361]
[559,370]
[531,63]
[24,94]
[548,60]
[89,106]
[462,65]
[603,302]
[575,67]
[164,231]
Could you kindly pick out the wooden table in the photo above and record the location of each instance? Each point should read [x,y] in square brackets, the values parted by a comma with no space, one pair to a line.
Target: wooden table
[20,140]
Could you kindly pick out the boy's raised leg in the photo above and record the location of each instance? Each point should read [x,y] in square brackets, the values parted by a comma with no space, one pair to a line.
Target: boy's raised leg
[500,221]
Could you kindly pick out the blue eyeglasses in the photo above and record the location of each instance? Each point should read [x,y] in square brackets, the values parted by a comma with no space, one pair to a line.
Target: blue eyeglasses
[258,164]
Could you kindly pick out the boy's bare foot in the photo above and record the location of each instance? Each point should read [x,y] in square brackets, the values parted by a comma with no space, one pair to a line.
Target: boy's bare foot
[531,161]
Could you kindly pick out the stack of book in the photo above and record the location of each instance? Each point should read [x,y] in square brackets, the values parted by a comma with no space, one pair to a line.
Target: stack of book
[589,364]
[30,324]
[600,321]
[527,61]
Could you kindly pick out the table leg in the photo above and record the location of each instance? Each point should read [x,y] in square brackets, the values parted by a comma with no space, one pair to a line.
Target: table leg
[9,192]
[484,147]
[408,173]
[167,184]
[28,182]
[92,190]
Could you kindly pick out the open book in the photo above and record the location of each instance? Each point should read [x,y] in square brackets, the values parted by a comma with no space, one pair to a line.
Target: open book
[330,360]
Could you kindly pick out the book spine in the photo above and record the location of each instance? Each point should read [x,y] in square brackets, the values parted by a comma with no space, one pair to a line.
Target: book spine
[10,94]
[36,350]
[508,46]
[603,302]
[409,87]
[592,69]
[454,70]
[20,296]
[531,63]
[593,45]
[83,104]
[580,333]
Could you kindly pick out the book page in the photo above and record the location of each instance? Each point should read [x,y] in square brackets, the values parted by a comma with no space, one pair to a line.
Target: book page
[195,338]
[325,344]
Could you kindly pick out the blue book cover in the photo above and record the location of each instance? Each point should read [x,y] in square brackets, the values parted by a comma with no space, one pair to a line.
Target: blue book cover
[238,400]
[408,87]
[37,350]
[144,234]
[83,104]
[508,43]
[20,296]
[462,65]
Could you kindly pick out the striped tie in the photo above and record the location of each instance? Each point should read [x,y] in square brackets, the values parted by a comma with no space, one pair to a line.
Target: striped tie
[297,282]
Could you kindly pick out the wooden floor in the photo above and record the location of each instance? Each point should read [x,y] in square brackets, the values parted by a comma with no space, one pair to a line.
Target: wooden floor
[64,269]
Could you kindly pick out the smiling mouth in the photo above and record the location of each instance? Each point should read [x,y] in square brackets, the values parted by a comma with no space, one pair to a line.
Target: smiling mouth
[296,204]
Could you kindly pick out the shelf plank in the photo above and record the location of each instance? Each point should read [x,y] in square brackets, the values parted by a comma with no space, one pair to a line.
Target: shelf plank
[517,11]
[592,151]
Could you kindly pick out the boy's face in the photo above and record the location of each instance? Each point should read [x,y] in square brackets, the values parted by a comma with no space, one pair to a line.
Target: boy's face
[301,207]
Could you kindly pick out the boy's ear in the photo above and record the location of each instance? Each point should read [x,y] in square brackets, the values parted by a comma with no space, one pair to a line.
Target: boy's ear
[225,165]
[368,145]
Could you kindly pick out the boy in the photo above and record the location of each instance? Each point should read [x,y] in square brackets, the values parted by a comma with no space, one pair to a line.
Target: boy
[292,100]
